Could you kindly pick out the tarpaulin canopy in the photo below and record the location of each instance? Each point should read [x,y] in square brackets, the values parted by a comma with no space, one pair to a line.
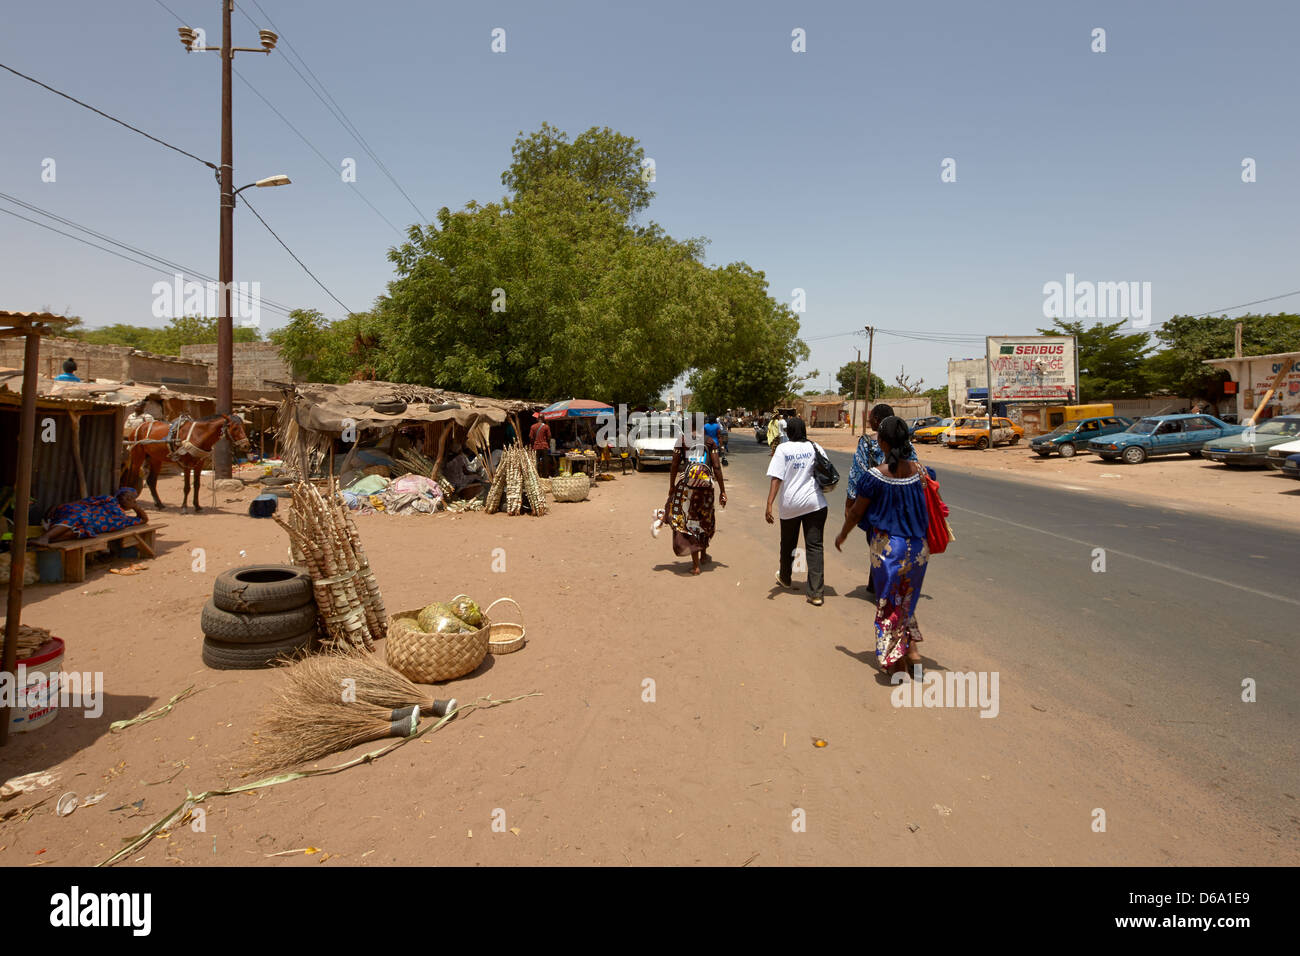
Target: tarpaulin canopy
[368,405]
[575,408]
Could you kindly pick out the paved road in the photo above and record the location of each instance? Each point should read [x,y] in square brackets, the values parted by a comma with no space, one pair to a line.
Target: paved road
[1158,645]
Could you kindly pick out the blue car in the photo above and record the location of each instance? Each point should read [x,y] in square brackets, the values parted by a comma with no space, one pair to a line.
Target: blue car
[1067,438]
[1162,435]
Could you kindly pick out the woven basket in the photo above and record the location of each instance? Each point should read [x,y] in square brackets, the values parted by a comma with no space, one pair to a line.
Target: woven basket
[570,487]
[546,485]
[505,638]
[428,658]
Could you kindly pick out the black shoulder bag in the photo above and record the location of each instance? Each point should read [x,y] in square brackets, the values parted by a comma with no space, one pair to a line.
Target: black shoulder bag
[824,472]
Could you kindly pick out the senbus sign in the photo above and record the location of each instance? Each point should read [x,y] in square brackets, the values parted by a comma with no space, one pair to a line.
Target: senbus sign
[1033,368]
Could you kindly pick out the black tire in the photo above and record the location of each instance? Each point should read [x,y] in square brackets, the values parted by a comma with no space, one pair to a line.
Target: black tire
[1015,439]
[243,657]
[1066,449]
[1197,454]
[230,628]
[1133,455]
[262,589]
[280,492]
[275,481]
[982,443]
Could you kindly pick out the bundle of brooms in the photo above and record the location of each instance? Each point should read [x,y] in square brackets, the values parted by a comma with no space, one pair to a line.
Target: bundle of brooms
[323,538]
[516,479]
[333,701]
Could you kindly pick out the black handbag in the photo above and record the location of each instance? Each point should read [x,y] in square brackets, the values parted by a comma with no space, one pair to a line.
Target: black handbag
[824,472]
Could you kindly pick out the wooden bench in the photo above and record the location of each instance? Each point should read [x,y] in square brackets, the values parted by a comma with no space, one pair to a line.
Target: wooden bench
[75,549]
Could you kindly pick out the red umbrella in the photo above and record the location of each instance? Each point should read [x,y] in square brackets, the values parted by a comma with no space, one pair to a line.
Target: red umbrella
[575,408]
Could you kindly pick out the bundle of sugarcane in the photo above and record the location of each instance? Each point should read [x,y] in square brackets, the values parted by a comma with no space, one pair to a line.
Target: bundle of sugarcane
[322,531]
[514,486]
[493,503]
[532,482]
[301,726]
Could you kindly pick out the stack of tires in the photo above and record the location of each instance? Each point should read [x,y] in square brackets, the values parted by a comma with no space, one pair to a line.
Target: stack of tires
[258,613]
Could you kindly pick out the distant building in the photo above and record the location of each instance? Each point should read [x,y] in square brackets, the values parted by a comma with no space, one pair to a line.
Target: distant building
[963,376]
[1254,375]
[256,363]
[117,363]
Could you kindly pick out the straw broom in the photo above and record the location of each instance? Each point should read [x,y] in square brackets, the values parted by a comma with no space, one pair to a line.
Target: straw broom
[326,677]
[299,727]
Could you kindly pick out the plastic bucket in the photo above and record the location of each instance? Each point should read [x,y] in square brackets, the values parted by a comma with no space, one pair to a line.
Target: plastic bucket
[35,672]
[49,564]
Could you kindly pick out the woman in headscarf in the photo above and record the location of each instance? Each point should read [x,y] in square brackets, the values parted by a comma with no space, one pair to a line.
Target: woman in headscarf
[889,505]
[868,455]
[91,516]
[689,509]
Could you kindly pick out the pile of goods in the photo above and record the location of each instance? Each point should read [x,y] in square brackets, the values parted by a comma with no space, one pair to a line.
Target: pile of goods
[515,482]
[323,538]
[257,615]
[448,639]
[313,717]
[409,494]
[30,639]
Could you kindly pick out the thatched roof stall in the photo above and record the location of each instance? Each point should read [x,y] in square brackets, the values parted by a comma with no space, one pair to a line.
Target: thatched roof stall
[313,416]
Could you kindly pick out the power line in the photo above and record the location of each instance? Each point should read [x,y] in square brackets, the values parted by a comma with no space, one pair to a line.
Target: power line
[295,258]
[148,265]
[335,110]
[160,260]
[312,147]
[133,129]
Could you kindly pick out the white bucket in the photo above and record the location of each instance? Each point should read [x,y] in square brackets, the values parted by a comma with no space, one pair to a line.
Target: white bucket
[36,670]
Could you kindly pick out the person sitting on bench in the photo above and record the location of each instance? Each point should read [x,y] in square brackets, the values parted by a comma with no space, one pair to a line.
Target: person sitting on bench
[88,517]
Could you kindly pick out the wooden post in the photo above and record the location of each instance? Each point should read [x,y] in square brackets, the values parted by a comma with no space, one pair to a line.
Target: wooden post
[871,346]
[75,419]
[447,426]
[22,501]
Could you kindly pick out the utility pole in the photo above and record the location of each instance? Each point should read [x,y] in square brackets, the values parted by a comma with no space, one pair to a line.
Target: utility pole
[222,455]
[871,345]
[857,374]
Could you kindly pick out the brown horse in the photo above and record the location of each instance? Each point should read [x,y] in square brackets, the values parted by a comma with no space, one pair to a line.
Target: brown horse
[188,442]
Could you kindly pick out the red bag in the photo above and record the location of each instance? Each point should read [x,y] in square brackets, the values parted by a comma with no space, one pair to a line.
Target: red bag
[938,532]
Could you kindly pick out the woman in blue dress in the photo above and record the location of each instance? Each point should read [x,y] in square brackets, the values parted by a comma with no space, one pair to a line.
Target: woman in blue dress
[889,505]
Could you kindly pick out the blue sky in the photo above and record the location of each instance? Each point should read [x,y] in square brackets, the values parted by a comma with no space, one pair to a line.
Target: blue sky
[820,168]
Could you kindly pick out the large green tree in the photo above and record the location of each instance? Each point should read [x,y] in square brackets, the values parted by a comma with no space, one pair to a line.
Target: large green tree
[1111,364]
[857,371]
[555,292]
[1186,341]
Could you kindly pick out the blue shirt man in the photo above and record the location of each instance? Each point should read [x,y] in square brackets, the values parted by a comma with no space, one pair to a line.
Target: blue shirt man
[69,366]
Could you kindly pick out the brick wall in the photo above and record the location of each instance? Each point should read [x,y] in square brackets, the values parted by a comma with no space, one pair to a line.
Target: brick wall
[256,363]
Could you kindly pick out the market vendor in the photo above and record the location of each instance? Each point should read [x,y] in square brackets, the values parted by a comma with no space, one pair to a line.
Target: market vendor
[466,476]
[88,517]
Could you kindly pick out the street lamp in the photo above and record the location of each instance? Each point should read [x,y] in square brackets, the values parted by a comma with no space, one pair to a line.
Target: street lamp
[279,180]
[222,457]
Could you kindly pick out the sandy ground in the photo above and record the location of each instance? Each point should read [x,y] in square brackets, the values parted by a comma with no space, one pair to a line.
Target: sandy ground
[716,766]
[1179,482]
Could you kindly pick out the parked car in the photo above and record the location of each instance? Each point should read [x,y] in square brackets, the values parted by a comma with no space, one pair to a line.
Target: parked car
[974,432]
[916,423]
[1161,435]
[760,431]
[653,443]
[1285,458]
[1069,437]
[1252,445]
[929,433]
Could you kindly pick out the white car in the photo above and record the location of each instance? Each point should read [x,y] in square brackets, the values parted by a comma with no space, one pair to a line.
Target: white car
[653,442]
[1278,454]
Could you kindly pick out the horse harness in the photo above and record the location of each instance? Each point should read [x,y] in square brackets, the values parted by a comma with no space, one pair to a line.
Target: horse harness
[178,438]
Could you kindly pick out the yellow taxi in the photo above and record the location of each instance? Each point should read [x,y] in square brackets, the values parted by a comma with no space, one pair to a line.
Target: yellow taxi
[974,433]
[931,432]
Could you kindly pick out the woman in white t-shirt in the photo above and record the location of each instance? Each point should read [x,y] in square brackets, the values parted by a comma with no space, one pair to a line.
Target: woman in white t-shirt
[802,506]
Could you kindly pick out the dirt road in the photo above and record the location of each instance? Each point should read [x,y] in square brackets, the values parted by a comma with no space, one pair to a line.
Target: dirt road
[676,721]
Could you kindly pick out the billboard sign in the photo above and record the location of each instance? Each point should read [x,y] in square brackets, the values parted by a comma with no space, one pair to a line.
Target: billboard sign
[1033,368]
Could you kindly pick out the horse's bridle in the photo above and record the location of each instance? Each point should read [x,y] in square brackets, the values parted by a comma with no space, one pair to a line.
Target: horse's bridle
[225,432]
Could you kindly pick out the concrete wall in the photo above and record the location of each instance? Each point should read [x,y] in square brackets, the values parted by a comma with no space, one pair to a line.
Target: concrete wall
[256,363]
[117,363]
[964,374]
[905,408]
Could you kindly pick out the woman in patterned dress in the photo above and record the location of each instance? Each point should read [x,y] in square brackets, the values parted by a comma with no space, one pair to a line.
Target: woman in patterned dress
[689,509]
[91,516]
[889,505]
